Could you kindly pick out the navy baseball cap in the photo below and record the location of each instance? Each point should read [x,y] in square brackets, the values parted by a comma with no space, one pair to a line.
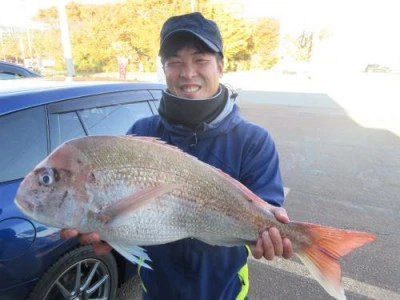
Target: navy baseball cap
[194,23]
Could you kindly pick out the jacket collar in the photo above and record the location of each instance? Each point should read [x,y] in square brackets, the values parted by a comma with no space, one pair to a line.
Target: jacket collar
[226,121]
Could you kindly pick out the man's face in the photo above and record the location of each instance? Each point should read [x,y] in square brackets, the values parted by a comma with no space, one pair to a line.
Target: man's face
[192,74]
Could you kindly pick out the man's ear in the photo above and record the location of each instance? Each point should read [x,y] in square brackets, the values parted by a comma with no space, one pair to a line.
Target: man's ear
[221,67]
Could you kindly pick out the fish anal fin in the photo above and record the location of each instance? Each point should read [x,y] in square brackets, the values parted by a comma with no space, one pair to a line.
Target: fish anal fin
[322,252]
[119,209]
[134,254]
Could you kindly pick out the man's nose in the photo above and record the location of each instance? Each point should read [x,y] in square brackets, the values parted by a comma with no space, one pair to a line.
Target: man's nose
[188,70]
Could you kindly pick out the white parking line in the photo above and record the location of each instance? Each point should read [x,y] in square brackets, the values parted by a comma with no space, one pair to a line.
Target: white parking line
[286,191]
[350,285]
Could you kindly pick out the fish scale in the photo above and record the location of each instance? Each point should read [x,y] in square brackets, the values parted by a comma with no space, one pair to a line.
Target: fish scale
[137,191]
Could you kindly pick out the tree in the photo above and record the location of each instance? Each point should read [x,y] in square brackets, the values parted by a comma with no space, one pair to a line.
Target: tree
[47,42]
[265,40]
[235,32]
[100,34]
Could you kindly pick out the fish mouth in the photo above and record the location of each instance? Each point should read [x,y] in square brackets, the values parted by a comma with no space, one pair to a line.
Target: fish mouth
[24,205]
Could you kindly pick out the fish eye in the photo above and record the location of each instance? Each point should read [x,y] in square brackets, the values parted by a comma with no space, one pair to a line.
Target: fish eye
[47,177]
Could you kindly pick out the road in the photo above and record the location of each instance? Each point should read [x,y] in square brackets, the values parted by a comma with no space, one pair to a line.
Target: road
[341,165]
[340,174]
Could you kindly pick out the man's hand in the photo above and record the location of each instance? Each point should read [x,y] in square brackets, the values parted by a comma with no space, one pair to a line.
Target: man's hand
[93,238]
[271,244]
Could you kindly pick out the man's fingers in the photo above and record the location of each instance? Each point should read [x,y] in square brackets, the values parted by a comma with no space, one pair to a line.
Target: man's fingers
[269,251]
[93,238]
[287,248]
[89,238]
[257,250]
[101,248]
[68,233]
[276,240]
[280,214]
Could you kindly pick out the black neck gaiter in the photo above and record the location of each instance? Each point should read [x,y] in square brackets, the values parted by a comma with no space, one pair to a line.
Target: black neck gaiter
[192,113]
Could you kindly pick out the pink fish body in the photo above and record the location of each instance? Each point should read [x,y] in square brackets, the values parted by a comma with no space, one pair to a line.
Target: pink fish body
[138,191]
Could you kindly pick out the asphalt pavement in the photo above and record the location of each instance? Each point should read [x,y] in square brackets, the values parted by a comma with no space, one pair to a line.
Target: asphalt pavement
[342,166]
[339,147]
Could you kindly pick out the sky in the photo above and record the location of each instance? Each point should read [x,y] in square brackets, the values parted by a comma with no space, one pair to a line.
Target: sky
[366,26]
[306,11]
[18,12]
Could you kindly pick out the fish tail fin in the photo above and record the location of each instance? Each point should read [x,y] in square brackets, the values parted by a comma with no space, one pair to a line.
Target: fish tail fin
[321,253]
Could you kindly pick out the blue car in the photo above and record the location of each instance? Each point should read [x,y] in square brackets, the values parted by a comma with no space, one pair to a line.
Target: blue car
[36,117]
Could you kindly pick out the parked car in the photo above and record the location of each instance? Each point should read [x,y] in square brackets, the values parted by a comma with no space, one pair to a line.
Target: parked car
[14,71]
[36,117]
[377,68]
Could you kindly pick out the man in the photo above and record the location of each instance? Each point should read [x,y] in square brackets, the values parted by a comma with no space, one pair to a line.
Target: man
[199,115]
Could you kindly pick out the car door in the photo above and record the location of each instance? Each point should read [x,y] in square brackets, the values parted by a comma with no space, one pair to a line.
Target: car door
[29,135]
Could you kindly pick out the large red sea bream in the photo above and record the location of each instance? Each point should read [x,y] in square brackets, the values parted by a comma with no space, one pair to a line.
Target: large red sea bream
[137,191]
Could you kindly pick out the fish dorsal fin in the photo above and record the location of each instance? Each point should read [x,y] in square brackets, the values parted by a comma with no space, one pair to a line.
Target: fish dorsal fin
[144,138]
[154,140]
[115,212]
[158,141]
[248,194]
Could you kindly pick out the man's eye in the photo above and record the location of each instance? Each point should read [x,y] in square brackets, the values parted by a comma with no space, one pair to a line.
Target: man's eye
[202,61]
[173,63]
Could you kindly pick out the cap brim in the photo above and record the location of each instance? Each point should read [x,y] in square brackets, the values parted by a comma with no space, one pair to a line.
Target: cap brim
[207,42]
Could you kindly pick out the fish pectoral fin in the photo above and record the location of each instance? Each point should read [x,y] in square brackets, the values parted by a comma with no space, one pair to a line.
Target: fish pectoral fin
[135,254]
[123,207]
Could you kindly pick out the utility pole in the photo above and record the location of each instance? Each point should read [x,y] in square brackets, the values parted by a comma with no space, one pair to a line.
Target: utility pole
[66,43]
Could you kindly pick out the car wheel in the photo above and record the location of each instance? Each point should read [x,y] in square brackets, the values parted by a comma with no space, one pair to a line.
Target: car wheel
[79,274]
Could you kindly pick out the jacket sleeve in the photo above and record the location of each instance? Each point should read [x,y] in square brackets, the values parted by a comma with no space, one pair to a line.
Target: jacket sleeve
[141,127]
[260,168]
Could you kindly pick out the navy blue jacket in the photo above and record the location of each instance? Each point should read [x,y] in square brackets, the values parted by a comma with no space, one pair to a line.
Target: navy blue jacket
[191,269]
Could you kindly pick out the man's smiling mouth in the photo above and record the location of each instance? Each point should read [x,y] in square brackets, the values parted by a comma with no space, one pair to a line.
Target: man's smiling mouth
[190,88]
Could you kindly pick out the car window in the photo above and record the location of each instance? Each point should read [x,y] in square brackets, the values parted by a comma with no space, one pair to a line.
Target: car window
[113,120]
[106,120]
[7,75]
[100,100]
[157,94]
[24,133]
[64,127]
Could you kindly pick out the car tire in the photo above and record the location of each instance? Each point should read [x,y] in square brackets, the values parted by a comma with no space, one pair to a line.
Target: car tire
[79,274]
